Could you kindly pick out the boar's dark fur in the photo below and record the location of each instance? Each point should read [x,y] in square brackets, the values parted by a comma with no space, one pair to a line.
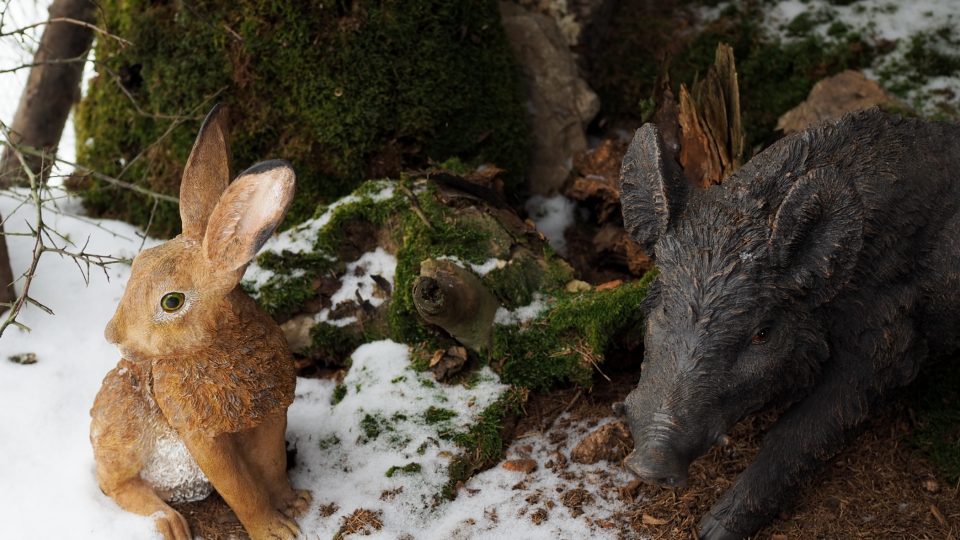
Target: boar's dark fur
[821,274]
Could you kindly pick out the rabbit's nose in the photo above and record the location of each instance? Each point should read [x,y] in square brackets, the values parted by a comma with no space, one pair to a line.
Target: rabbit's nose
[111,333]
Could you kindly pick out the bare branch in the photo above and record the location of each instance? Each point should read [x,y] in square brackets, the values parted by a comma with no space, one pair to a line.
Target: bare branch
[68,20]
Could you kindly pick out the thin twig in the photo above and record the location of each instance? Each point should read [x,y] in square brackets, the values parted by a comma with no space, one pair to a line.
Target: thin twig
[85,171]
[84,24]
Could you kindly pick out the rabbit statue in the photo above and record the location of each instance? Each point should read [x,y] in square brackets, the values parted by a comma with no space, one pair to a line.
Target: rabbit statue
[199,399]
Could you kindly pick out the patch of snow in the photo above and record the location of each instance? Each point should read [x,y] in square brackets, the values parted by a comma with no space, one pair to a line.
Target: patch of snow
[44,420]
[552,216]
[523,313]
[877,21]
[357,280]
[345,451]
[301,238]
[491,506]
[482,269]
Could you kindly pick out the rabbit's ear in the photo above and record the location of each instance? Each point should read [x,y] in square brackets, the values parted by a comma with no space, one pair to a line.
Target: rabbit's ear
[206,174]
[248,212]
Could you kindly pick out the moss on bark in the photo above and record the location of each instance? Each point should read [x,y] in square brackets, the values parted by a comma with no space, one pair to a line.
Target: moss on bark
[344,90]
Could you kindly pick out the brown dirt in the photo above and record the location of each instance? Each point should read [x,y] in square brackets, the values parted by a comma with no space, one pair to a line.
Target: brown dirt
[877,488]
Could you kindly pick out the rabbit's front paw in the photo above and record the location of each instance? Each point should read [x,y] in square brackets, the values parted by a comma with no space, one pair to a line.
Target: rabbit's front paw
[274,527]
[295,502]
[172,525]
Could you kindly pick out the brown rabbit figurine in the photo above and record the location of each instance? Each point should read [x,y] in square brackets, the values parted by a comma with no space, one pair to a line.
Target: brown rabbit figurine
[206,377]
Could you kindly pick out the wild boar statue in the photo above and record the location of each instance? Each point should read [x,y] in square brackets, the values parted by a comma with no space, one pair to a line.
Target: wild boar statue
[821,274]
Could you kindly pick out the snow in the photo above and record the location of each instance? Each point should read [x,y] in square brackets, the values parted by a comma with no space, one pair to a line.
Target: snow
[498,508]
[552,215]
[481,269]
[523,313]
[44,418]
[878,22]
[300,239]
[357,281]
[47,461]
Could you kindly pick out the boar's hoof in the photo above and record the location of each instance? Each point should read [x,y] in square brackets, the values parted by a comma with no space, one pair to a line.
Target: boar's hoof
[711,529]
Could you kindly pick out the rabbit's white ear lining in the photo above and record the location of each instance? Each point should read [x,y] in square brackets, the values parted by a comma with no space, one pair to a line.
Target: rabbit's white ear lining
[247,214]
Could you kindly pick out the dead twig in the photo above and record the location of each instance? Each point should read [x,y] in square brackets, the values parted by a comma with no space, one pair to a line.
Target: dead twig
[68,20]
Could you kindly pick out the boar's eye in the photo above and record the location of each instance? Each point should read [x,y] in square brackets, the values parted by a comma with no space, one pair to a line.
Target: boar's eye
[760,337]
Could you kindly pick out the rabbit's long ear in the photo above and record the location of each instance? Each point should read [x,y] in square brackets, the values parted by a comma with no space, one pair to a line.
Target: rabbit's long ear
[248,212]
[206,174]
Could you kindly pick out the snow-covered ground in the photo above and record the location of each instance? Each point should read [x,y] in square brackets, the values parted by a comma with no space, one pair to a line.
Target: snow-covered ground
[893,27]
[46,462]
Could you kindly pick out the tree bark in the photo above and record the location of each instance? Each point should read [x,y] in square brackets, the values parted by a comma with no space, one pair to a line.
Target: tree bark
[52,88]
[7,292]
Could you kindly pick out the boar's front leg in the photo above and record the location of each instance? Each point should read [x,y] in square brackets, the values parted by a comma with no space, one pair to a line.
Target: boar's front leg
[815,430]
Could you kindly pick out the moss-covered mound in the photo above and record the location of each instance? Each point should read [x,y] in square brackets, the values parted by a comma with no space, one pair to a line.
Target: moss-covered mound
[344,90]
[346,277]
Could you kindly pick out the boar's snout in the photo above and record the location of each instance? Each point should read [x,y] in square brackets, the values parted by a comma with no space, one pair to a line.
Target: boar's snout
[658,464]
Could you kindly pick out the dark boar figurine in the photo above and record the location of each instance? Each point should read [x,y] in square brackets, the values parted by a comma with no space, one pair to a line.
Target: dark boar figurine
[821,274]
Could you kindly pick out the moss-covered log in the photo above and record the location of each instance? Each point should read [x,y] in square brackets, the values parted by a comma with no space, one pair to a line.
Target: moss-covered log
[346,91]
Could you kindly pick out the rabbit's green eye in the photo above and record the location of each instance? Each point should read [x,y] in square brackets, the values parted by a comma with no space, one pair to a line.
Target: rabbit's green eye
[172,302]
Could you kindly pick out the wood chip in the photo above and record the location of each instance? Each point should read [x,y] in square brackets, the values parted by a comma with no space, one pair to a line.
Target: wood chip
[525,466]
[609,285]
[655,521]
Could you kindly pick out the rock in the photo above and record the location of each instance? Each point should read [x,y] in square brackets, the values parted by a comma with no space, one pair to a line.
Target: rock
[833,97]
[297,332]
[525,466]
[576,286]
[560,103]
[610,442]
[931,485]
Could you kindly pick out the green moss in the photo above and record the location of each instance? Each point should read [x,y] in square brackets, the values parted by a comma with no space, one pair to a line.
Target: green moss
[483,443]
[446,232]
[345,93]
[409,468]
[372,426]
[339,392]
[560,345]
[329,442]
[926,56]
[434,415]
[773,76]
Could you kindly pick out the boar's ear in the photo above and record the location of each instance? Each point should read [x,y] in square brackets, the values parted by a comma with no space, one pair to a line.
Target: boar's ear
[652,188]
[817,235]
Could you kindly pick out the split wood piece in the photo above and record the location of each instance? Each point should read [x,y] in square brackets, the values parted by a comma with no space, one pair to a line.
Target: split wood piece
[712,137]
